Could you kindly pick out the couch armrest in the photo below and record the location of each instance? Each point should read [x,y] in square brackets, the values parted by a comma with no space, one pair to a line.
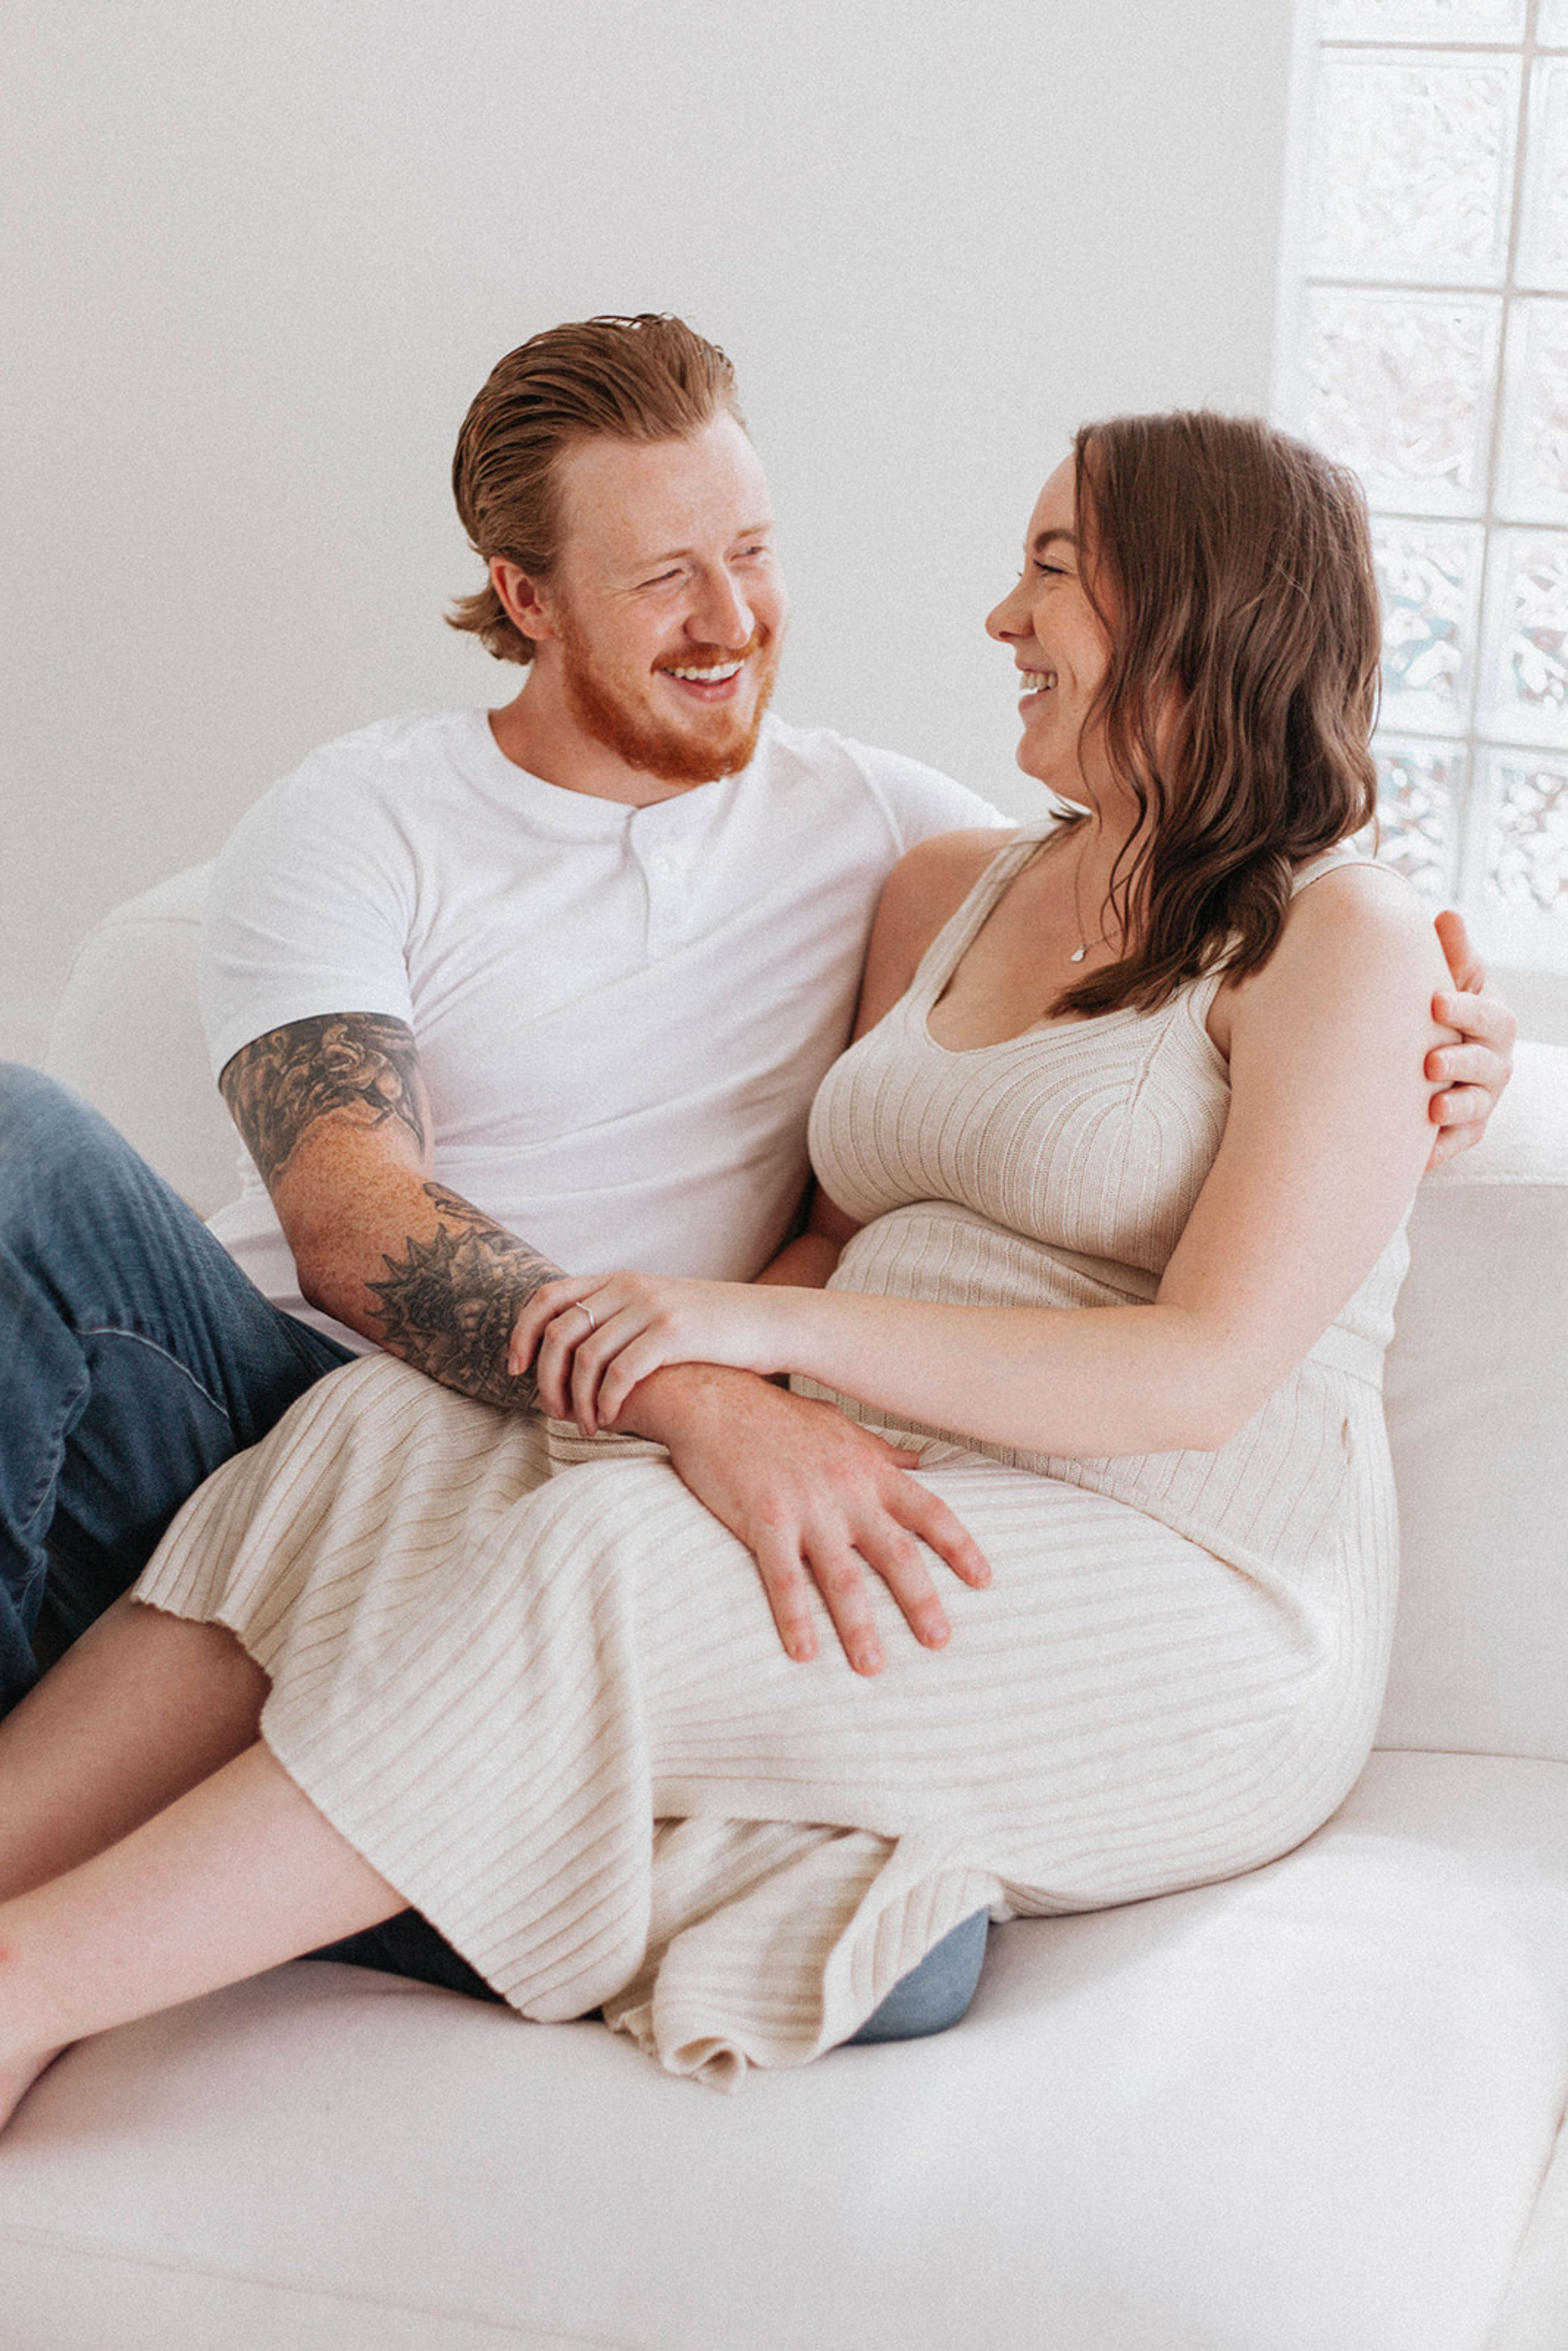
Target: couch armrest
[127,1034]
[1478,1418]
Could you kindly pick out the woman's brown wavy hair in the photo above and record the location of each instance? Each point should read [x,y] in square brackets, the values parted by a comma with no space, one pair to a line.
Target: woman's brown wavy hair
[1233,565]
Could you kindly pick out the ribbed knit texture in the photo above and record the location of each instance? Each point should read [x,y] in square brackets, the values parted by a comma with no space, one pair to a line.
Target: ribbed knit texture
[538,1687]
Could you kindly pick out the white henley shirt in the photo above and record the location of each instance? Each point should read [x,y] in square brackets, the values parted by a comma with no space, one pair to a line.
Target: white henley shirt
[622,1014]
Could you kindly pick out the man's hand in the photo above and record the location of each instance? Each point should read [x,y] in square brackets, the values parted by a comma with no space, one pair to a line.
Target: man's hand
[813,1498]
[1474,1071]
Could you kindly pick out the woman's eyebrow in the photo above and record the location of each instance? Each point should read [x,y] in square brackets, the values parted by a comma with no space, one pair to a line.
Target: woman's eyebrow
[1044,538]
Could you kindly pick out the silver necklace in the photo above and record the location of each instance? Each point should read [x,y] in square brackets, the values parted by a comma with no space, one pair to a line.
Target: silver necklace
[1080,951]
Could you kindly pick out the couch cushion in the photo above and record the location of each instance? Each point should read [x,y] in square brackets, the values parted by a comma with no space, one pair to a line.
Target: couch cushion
[1476,1393]
[1309,2107]
[126,1034]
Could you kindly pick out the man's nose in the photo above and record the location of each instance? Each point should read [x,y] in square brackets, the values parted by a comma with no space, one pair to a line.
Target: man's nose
[721,614]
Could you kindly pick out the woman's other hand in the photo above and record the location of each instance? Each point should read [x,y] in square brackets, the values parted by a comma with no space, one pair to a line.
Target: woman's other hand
[1473,1073]
[591,1338]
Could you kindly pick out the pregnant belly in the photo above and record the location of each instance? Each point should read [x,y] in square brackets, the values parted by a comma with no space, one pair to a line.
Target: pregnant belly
[934,1248]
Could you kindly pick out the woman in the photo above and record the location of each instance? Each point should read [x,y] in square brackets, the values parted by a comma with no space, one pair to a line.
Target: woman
[1159,1060]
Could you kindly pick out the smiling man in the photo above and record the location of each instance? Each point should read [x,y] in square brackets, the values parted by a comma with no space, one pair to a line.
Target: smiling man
[552,985]
[495,994]
[492,994]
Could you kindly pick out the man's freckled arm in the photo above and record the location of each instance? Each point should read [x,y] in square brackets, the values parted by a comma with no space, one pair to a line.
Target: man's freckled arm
[447,1303]
[334,1112]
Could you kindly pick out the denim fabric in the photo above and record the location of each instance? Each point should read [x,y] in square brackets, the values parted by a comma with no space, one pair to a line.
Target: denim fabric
[135,1356]
[930,1998]
[935,1995]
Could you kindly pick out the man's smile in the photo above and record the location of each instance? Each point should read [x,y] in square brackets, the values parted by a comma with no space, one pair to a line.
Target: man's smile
[712,676]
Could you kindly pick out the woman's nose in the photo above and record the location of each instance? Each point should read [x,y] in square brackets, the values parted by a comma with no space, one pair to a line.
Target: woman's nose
[1009,618]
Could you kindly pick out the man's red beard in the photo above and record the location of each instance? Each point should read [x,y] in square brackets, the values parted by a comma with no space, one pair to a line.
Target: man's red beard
[671,754]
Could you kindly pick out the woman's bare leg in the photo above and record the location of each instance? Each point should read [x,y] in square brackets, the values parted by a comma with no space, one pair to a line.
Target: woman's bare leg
[238,1873]
[143,1707]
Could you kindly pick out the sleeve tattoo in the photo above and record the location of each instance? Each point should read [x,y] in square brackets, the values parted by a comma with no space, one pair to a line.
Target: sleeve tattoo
[451,1294]
[364,1062]
[449,1301]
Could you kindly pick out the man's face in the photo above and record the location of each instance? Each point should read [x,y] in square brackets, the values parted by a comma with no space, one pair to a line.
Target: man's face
[667,600]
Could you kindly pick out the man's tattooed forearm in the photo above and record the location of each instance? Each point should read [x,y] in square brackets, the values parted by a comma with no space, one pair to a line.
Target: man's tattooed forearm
[449,1301]
[360,1061]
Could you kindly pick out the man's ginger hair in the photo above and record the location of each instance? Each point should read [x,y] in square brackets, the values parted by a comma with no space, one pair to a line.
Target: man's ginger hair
[648,378]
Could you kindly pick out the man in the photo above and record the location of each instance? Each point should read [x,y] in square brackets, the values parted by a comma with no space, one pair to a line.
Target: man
[495,995]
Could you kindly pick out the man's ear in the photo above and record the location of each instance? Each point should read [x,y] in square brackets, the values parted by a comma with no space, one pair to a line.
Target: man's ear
[524,597]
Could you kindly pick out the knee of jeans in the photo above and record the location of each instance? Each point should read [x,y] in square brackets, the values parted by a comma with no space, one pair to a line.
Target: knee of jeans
[936,1995]
[44,1127]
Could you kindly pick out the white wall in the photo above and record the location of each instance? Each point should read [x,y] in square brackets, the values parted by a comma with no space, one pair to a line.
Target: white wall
[266,253]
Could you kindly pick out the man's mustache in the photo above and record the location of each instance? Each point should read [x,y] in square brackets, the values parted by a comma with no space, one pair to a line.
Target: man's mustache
[715,656]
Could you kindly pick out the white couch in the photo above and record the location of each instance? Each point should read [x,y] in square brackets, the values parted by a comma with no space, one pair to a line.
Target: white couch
[1317,2108]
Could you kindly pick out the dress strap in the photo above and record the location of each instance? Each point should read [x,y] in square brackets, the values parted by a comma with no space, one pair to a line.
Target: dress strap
[946,950]
[1343,852]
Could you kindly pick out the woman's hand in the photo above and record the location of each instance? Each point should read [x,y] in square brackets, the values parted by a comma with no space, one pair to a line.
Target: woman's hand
[591,1338]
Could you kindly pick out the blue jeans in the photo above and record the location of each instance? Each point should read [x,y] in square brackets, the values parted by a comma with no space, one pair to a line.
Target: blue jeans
[135,1358]
[930,1998]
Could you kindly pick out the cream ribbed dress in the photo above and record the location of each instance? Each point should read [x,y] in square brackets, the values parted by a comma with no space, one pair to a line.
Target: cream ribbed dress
[552,1709]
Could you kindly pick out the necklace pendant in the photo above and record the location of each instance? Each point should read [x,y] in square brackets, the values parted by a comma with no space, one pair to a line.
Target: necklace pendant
[1078,953]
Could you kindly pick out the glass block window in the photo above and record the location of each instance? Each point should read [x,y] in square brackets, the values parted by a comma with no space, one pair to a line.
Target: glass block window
[1425,342]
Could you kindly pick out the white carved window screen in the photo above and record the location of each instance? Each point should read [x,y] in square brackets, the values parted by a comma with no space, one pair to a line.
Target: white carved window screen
[1423,341]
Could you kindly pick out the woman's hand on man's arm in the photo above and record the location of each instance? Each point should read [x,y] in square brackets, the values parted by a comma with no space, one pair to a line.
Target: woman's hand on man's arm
[816,1499]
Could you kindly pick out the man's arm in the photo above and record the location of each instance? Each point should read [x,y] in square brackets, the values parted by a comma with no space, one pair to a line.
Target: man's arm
[335,1113]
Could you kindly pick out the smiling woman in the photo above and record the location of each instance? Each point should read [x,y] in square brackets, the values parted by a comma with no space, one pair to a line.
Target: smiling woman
[1120,1278]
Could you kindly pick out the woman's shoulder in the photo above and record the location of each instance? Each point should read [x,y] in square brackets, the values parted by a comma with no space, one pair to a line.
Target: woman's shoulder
[1355,898]
[947,864]
[1351,924]
[923,893]
[1345,901]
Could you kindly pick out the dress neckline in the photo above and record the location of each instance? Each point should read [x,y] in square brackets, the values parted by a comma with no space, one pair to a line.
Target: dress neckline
[953,940]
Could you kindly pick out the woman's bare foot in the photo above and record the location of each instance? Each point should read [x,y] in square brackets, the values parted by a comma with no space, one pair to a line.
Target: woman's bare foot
[17,2075]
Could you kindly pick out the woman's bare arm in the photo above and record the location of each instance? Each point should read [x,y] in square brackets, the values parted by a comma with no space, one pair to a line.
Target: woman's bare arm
[1327,1136]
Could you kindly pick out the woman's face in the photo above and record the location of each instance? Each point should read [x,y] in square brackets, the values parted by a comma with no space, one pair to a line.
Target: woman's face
[1059,646]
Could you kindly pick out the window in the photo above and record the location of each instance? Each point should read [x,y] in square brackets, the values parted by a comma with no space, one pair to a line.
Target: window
[1425,342]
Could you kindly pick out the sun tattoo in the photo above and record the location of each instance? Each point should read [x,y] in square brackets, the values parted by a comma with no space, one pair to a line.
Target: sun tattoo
[450,1299]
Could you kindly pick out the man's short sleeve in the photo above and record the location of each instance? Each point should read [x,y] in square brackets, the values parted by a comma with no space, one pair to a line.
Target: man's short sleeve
[309,912]
[919,800]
